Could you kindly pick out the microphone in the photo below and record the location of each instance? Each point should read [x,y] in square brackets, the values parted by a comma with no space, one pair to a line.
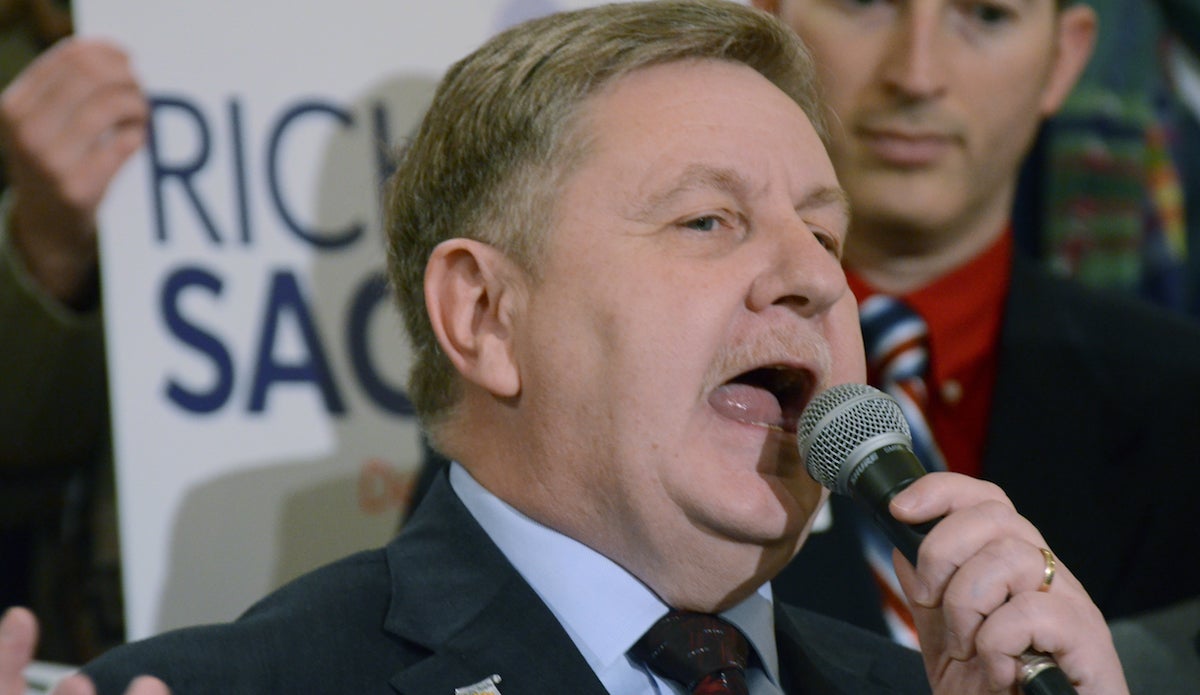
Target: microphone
[854,440]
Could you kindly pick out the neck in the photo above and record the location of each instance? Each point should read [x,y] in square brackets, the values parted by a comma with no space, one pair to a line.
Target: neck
[900,258]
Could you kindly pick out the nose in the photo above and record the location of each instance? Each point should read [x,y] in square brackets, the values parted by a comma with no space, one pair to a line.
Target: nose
[800,273]
[914,65]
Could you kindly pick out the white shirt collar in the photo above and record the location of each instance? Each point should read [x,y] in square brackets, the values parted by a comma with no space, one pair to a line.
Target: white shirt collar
[603,608]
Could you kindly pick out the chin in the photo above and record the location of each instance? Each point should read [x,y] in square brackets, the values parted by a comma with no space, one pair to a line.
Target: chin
[902,203]
[769,513]
[759,496]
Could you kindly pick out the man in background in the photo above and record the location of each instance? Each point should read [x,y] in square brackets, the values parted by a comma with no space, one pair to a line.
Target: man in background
[1081,406]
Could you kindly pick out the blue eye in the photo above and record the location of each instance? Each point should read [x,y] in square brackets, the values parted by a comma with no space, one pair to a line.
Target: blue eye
[708,223]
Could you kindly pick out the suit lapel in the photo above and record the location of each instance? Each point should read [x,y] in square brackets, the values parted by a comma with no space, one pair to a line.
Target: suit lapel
[456,595]
[821,655]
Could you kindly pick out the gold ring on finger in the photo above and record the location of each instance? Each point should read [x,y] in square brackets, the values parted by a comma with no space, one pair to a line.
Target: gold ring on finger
[1048,573]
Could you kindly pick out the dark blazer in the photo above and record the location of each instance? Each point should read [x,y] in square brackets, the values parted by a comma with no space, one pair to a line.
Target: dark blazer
[441,608]
[1094,435]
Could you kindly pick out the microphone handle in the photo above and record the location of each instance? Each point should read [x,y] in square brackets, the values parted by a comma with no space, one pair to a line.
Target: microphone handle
[882,475]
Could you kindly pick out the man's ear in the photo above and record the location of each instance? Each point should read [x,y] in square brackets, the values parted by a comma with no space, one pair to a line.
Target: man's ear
[771,6]
[472,291]
[1074,43]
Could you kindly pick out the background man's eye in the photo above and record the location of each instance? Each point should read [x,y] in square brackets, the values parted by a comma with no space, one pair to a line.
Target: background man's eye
[990,14]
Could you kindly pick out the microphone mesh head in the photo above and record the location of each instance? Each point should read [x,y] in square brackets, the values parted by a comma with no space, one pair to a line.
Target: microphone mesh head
[837,422]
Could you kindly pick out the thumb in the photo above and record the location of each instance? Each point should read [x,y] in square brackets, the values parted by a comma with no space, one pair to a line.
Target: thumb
[18,639]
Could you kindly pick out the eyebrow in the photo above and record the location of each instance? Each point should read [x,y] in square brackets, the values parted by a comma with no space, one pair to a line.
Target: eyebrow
[827,196]
[694,177]
[700,176]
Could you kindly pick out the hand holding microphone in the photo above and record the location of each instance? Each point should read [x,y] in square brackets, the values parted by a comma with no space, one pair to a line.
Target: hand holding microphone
[991,610]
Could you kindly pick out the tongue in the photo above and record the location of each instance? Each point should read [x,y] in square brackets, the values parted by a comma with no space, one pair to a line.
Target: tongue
[745,403]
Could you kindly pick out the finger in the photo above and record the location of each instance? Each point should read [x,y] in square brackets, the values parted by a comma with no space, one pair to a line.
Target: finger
[148,685]
[58,79]
[18,639]
[40,107]
[929,622]
[103,107]
[985,582]
[62,127]
[84,185]
[961,535]
[74,167]
[937,494]
[74,685]
[103,102]
[81,685]
[1063,623]
[64,61]
[970,513]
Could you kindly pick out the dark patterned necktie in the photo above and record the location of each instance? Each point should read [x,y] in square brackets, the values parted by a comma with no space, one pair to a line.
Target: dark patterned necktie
[704,653]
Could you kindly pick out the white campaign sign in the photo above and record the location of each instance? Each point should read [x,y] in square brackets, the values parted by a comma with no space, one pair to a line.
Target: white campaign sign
[256,363]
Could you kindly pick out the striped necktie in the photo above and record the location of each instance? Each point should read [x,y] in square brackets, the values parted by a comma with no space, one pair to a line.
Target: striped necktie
[897,347]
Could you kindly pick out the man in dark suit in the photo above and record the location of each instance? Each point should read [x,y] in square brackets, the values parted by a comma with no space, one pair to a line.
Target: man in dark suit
[1083,407]
[616,240]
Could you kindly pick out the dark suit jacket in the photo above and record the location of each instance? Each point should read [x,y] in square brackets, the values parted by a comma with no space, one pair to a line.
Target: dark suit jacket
[441,608]
[1094,435]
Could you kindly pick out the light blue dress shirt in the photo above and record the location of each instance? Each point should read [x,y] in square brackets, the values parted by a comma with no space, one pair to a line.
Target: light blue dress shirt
[604,608]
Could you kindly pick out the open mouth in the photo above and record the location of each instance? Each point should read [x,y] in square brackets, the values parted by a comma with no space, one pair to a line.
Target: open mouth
[772,396]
